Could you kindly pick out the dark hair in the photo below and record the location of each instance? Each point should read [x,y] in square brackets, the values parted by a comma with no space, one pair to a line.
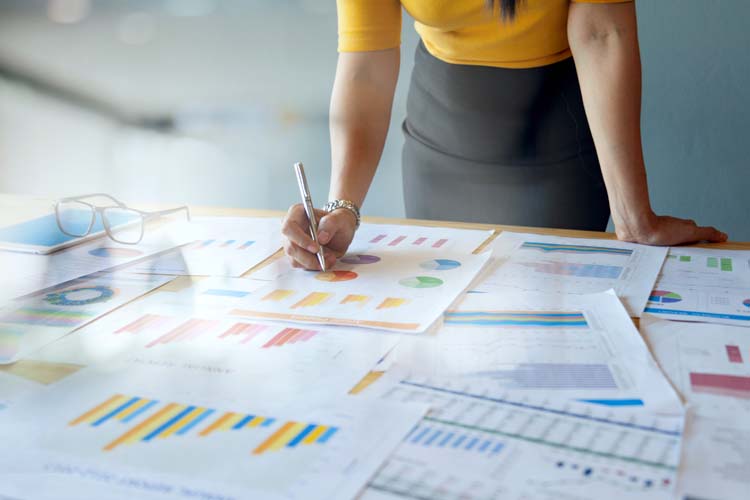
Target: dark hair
[508,8]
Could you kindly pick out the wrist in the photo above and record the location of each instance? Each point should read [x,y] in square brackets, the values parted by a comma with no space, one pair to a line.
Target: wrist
[346,206]
[634,225]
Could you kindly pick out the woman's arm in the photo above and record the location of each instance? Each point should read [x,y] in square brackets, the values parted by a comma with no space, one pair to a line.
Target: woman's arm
[604,42]
[360,115]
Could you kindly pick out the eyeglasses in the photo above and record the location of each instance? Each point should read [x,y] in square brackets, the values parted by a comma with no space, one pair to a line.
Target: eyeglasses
[77,217]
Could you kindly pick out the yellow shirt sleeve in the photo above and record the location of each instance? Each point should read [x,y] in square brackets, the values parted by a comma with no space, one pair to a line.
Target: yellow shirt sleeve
[368,24]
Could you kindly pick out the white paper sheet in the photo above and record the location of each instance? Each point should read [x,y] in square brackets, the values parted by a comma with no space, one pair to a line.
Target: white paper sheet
[570,347]
[37,320]
[194,440]
[534,262]
[25,273]
[221,246]
[405,292]
[710,365]
[478,444]
[188,331]
[379,238]
[697,284]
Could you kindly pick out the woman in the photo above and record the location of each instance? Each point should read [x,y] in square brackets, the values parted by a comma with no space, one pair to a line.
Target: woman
[503,125]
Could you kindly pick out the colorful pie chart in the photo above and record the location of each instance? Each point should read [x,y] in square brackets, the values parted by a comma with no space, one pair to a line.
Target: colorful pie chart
[336,276]
[421,282]
[440,264]
[115,253]
[663,297]
[80,296]
[360,259]
[746,303]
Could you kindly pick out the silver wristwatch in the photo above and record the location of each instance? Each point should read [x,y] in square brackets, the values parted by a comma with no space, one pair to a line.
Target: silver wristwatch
[346,204]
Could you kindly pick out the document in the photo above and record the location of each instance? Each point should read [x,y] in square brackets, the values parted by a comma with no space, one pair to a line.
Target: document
[39,319]
[188,331]
[710,365]
[479,443]
[698,284]
[220,246]
[148,433]
[399,239]
[25,273]
[540,263]
[581,348]
[387,290]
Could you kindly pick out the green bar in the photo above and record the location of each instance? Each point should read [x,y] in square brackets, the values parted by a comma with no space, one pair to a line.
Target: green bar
[713,262]
[726,265]
[684,258]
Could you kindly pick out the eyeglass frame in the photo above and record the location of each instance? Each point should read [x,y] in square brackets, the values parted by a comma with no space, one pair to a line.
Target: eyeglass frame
[99,210]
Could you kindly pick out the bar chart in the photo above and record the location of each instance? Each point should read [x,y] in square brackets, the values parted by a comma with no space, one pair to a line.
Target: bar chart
[575,249]
[518,319]
[577,270]
[146,420]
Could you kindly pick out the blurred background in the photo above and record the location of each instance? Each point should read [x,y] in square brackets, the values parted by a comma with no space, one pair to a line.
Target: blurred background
[209,102]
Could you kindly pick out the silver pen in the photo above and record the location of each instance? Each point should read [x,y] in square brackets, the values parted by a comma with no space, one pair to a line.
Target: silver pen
[304,190]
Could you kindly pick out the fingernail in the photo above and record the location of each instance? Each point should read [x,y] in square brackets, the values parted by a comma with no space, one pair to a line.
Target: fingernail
[323,237]
[312,249]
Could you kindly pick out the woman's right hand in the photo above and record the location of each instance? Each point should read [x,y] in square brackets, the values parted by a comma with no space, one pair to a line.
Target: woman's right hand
[335,234]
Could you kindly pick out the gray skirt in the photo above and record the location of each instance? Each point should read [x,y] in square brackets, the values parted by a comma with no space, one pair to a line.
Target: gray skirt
[501,146]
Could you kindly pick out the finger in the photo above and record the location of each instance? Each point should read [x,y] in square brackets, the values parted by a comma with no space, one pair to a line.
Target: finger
[298,236]
[306,259]
[710,234]
[331,224]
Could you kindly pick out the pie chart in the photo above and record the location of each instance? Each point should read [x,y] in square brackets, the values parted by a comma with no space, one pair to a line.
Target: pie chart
[746,303]
[115,253]
[336,276]
[421,282]
[440,264]
[360,259]
[663,297]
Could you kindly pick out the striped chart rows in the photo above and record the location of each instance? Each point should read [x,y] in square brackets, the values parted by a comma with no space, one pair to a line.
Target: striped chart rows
[165,420]
[196,328]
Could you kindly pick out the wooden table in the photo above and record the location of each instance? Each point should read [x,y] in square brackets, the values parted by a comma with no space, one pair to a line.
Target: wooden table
[15,208]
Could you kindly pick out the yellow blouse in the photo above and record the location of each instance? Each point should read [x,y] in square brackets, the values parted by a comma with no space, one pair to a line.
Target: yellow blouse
[463,31]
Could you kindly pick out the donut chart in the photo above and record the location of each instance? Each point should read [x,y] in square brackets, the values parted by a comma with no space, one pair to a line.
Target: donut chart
[336,276]
[359,259]
[421,282]
[664,297]
[115,253]
[440,264]
[746,303]
[80,296]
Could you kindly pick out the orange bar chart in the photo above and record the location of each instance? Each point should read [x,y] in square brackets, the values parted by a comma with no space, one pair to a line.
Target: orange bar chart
[313,299]
[355,299]
[247,331]
[278,295]
[144,322]
[391,303]
[290,336]
[186,331]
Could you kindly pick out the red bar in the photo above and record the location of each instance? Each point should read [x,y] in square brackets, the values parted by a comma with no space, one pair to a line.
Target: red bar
[307,335]
[279,338]
[734,354]
[722,385]
[199,328]
[419,241]
[439,243]
[377,238]
[396,241]
[139,324]
[235,329]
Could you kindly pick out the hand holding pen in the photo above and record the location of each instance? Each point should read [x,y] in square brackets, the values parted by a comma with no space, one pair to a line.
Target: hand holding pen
[335,231]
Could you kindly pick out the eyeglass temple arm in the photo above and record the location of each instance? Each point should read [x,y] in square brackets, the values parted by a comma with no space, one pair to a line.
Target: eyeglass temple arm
[168,211]
[93,195]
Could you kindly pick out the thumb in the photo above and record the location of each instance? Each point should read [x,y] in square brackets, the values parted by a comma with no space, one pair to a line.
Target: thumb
[328,227]
[710,234]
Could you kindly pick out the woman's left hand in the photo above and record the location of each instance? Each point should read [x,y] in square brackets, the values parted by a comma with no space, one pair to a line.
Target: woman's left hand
[668,231]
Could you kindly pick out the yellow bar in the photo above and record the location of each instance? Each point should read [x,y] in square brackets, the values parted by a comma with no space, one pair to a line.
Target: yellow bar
[312,299]
[132,409]
[265,445]
[217,423]
[284,439]
[315,434]
[156,423]
[181,423]
[255,422]
[101,410]
[231,421]
[278,295]
[355,299]
[156,417]
[366,382]
[391,303]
